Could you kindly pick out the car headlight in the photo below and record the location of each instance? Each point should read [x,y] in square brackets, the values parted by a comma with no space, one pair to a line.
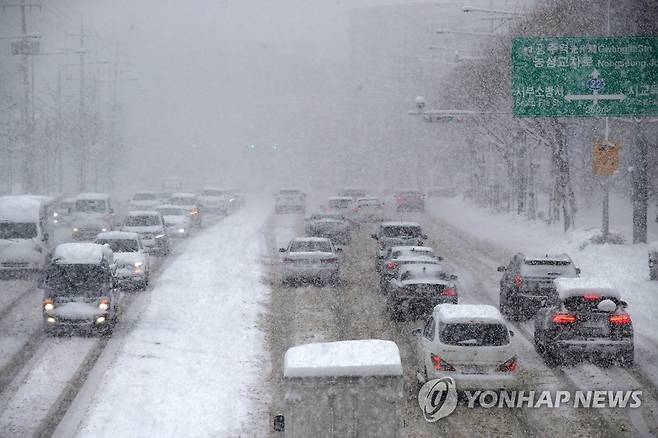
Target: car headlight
[48,306]
[181,230]
[55,214]
[100,320]
[75,229]
[159,236]
[103,229]
[104,304]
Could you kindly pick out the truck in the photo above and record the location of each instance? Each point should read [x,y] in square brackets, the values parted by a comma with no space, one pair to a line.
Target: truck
[342,389]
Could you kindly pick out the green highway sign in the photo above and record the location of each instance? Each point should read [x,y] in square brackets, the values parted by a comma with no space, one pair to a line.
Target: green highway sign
[585,77]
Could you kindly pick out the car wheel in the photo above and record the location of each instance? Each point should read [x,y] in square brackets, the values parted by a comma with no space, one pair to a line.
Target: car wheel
[653,275]
[50,332]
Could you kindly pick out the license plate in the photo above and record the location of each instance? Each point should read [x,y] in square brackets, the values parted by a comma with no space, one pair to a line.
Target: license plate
[473,369]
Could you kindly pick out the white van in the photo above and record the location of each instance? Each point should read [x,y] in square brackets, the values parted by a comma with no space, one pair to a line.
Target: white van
[93,215]
[26,232]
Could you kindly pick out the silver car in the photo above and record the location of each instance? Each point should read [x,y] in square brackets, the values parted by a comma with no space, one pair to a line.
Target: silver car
[394,234]
[333,226]
[130,257]
[313,259]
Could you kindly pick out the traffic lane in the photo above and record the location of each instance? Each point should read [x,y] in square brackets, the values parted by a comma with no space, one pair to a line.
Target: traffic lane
[476,263]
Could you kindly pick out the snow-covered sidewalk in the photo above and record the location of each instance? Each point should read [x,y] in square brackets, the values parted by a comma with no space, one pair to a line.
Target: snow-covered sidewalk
[192,365]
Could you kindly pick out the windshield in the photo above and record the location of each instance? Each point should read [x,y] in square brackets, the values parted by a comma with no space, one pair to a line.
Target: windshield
[171,211]
[142,221]
[547,268]
[67,280]
[90,205]
[18,230]
[210,192]
[317,217]
[310,246]
[183,201]
[120,245]
[401,231]
[145,197]
[340,203]
[473,334]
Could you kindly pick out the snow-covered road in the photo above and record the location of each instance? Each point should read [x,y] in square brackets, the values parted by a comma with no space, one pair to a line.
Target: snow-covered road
[191,365]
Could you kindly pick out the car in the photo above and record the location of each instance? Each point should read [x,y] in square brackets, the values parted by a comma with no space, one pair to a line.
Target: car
[93,214]
[190,203]
[410,200]
[26,234]
[589,319]
[417,289]
[653,261]
[150,226]
[392,267]
[177,220]
[314,259]
[331,225]
[79,289]
[238,198]
[132,262]
[63,211]
[144,200]
[341,204]
[410,250]
[392,234]
[215,201]
[527,281]
[353,193]
[369,210]
[290,201]
[470,343]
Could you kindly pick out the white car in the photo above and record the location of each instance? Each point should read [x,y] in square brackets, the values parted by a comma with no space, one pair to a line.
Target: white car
[311,258]
[144,200]
[190,203]
[216,201]
[290,201]
[341,204]
[130,257]
[369,209]
[93,214]
[470,343]
[150,226]
[177,220]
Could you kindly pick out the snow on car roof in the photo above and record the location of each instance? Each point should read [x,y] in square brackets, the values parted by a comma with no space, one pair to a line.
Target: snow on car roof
[365,357]
[118,235]
[143,213]
[183,195]
[412,248]
[74,253]
[465,313]
[311,239]
[19,209]
[400,224]
[369,198]
[417,257]
[577,287]
[341,198]
[92,196]
[539,257]
[146,192]
[178,207]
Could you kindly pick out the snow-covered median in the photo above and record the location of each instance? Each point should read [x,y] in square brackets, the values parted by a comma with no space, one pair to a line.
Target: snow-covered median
[193,364]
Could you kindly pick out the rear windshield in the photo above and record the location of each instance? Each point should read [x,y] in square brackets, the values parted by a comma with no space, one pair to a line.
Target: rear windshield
[317,217]
[290,193]
[586,303]
[18,230]
[171,211]
[405,252]
[369,203]
[354,193]
[182,201]
[67,280]
[120,245]
[310,246]
[340,203]
[142,221]
[473,334]
[401,231]
[90,205]
[210,192]
[547,268]
[145,197]
[424,275]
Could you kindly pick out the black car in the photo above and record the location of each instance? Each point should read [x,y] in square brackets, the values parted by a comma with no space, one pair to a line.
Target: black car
[527,282]
[588,320]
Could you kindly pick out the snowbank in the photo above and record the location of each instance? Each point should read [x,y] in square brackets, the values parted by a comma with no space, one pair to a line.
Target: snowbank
[367,357]
[193,364]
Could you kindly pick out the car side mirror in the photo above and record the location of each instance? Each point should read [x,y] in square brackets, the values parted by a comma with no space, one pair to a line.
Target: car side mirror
[578,271]
[279,423]
[282,250]
[424,236]
[501,268]
[439,258]
[453,277]
[374,236]
[623,304]
[511,333]
[416,332]
[45,237]
[339,249]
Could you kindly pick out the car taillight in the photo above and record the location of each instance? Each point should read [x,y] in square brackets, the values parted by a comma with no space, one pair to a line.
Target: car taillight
[440,364]
[390,265]
[564,318]
[518,281]
[509,366]
[449,292]
[329,261]
[621,319]
[591,297]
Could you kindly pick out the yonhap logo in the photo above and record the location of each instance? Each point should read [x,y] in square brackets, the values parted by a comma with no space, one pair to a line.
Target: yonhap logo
[438,398]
